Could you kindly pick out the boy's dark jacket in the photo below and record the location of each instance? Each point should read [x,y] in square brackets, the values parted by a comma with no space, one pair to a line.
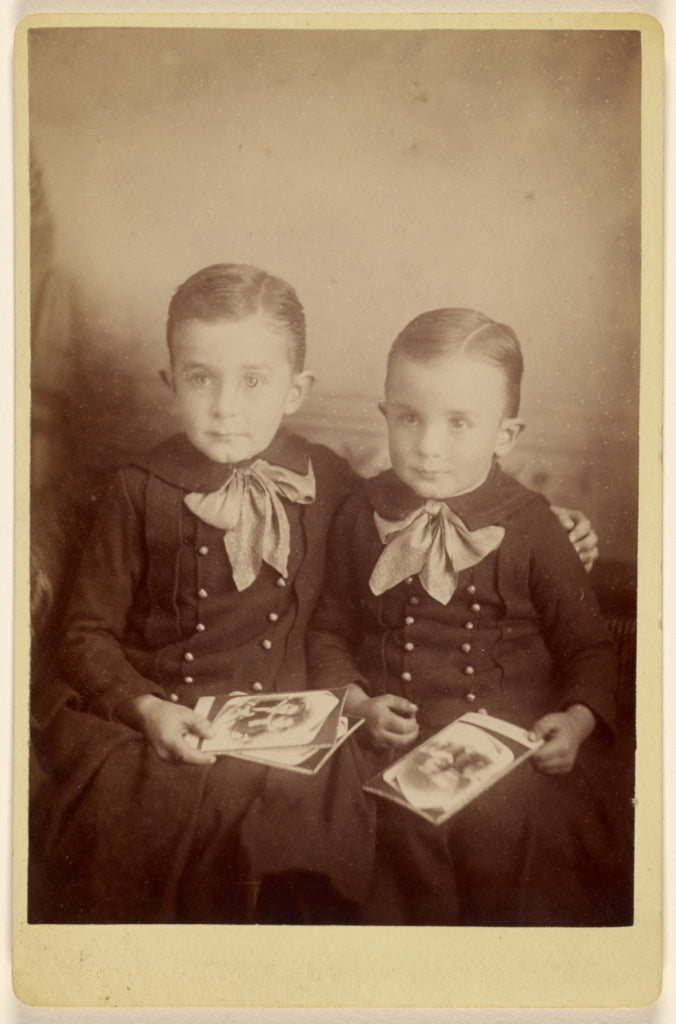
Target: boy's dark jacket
[154,598]
[537,849]
[550,643]
[119,835]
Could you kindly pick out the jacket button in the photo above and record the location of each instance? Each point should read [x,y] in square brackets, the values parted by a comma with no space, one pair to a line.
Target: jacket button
[482,711]
[202,592]
[173,697]
[409,581]
[465,648]
[471,697]
[468,670]
[406,676]
[475,607]
[257,687]
[280,581]
[204,550]
[266,644]
[200,627]
[415,600]
[188,656]
[273,617]
[471,589]
[408,646]
[409,620]
[469,625]
[188,680]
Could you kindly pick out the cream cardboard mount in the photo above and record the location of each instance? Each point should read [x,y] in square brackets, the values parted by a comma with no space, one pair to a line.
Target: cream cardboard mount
[207,966]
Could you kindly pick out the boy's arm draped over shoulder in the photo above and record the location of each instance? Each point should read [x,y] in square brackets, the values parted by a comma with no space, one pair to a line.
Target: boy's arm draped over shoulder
[97,617]
[335,627]
[573,626]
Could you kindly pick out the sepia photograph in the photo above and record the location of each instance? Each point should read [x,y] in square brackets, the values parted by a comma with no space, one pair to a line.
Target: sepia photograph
[336,340]
[255,723]
[437,777]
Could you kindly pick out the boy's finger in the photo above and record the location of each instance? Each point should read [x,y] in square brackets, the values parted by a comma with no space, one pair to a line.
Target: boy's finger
[564,517]
[588,556]
[394,739]
[401,706]
[580,532]
[193,756]
[200,725]
[182,751]
[399,726]
[587,547]
[551,754]
[544,727]
[583,536]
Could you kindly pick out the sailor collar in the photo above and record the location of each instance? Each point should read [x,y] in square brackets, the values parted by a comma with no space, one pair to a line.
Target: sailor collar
[490,504]
[178,462]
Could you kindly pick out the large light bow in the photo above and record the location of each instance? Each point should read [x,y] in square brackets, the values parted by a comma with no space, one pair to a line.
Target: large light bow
[432,543]
[248,508]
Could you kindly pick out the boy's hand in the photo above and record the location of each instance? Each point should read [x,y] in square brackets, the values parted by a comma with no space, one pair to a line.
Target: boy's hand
[580,534]
[166,726]
[390,719]
[563,732]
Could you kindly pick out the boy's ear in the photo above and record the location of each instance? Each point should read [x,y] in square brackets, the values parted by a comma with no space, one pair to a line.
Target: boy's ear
[167,377]
[507,435]
[300,389]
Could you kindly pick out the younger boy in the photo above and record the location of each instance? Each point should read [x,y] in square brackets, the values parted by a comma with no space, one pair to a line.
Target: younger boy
[450,588]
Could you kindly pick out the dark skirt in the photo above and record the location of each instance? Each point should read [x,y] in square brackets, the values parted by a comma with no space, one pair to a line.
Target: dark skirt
[119,836]
[535,850]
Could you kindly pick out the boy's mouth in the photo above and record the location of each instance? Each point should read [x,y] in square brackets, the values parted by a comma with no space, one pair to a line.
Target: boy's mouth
[430,474]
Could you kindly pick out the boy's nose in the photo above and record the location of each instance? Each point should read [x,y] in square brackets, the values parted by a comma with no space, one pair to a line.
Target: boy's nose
[224,400]
[430,440]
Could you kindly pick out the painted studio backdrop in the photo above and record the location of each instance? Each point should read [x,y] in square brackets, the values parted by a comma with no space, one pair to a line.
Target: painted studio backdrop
[382,173]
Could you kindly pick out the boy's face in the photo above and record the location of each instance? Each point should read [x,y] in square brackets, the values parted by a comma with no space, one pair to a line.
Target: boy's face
[445,419]
[234,382]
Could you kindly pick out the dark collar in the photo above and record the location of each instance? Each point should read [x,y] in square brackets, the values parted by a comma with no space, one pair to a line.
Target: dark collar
[178,462]
[494,501]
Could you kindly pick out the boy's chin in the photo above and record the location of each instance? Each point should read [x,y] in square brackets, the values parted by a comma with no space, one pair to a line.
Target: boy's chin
[436,486]
[227,451]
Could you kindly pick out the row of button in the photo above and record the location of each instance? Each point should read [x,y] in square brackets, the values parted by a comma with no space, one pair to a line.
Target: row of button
[409,620]
[256,687]
[266,644]
[466,647]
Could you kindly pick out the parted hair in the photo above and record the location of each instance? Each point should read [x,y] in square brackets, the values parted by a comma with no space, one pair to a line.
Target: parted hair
[456,331]
[231,291]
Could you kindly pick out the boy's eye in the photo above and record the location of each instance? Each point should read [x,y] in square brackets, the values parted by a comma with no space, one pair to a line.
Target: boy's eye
[199,379]
[252,380]
[409,418]
[457,423]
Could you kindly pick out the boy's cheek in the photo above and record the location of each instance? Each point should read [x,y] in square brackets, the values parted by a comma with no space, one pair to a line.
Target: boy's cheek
[397,441]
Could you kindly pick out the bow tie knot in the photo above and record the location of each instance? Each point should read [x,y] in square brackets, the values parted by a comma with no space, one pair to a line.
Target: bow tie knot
[432,543]
[249,510]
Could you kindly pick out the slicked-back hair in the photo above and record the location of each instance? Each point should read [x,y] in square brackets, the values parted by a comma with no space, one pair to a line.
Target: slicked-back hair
[457,331]
[232,291]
